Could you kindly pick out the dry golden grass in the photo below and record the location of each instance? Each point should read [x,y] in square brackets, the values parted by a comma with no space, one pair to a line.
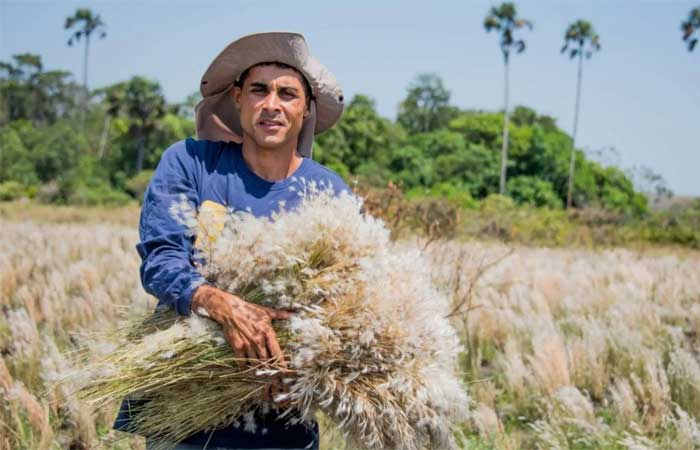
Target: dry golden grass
[57,281]
[127,215]
[571,349]
[578,348]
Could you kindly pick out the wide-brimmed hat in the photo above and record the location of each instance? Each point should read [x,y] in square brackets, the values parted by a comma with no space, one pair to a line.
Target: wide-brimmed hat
[216,116]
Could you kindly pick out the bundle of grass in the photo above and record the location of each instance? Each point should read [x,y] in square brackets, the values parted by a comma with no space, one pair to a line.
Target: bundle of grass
[369,346]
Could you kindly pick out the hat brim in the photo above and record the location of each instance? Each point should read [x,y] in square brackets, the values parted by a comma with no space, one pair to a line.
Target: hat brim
[216,116]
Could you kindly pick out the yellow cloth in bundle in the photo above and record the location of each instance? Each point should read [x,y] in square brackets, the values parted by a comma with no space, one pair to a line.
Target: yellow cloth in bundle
[211,221]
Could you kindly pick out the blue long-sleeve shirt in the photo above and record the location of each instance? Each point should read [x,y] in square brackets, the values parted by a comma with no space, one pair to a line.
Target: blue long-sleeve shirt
[215,172]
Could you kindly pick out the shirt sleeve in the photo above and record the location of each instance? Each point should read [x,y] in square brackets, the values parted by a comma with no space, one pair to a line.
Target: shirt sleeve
[167,268]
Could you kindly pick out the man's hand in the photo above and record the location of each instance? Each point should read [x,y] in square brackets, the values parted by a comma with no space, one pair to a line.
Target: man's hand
[246,326]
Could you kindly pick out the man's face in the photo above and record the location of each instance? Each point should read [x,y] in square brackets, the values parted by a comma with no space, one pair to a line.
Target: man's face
[272,105]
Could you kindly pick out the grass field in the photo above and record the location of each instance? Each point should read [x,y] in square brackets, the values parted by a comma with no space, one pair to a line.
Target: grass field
[564,348]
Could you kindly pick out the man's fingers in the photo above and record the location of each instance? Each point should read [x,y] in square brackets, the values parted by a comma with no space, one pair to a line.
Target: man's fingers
[251,355]
[278,314]
[261,349]
[274,348]
[249,349]
[241,348]
[235,340]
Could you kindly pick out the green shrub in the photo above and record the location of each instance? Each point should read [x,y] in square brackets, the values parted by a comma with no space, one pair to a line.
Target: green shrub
[457,195]
[499,218]
[339,168]
[533,191]
[496,203]
[15,159]
[97,195]
[12,190]
[676,226]
[137,184]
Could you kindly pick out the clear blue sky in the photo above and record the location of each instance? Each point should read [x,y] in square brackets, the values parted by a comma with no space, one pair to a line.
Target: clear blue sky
[641,93]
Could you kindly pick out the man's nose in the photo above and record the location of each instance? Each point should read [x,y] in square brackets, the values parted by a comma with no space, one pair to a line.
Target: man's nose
[272,101]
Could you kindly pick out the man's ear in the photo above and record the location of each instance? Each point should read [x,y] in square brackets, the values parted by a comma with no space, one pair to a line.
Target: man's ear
[236,95]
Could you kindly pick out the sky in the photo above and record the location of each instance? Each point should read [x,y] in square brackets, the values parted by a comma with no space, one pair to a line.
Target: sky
[640,99]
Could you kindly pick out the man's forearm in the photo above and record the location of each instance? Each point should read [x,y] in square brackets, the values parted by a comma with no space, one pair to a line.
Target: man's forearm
[168,275]
[165,245]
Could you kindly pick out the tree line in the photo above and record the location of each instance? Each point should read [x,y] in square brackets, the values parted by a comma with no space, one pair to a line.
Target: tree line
[63,142]
[580,39]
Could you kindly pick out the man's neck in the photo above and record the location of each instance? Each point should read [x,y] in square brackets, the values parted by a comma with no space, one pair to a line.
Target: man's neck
[271,164]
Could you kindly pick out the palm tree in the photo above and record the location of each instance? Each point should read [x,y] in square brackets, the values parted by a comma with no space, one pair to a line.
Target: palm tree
[86,24]
[504,20]
[689,28]
[141,102]
[427,105]
[580,40]
[31,93]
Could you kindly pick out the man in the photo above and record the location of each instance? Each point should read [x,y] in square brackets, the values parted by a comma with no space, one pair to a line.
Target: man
[264,99]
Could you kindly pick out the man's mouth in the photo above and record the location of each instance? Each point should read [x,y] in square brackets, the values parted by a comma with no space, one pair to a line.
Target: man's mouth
[270,123]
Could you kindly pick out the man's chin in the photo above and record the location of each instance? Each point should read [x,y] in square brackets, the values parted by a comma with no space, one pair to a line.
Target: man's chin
[270,142]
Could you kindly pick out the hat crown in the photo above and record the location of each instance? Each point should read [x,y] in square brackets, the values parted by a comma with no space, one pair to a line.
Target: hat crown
[246,52]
